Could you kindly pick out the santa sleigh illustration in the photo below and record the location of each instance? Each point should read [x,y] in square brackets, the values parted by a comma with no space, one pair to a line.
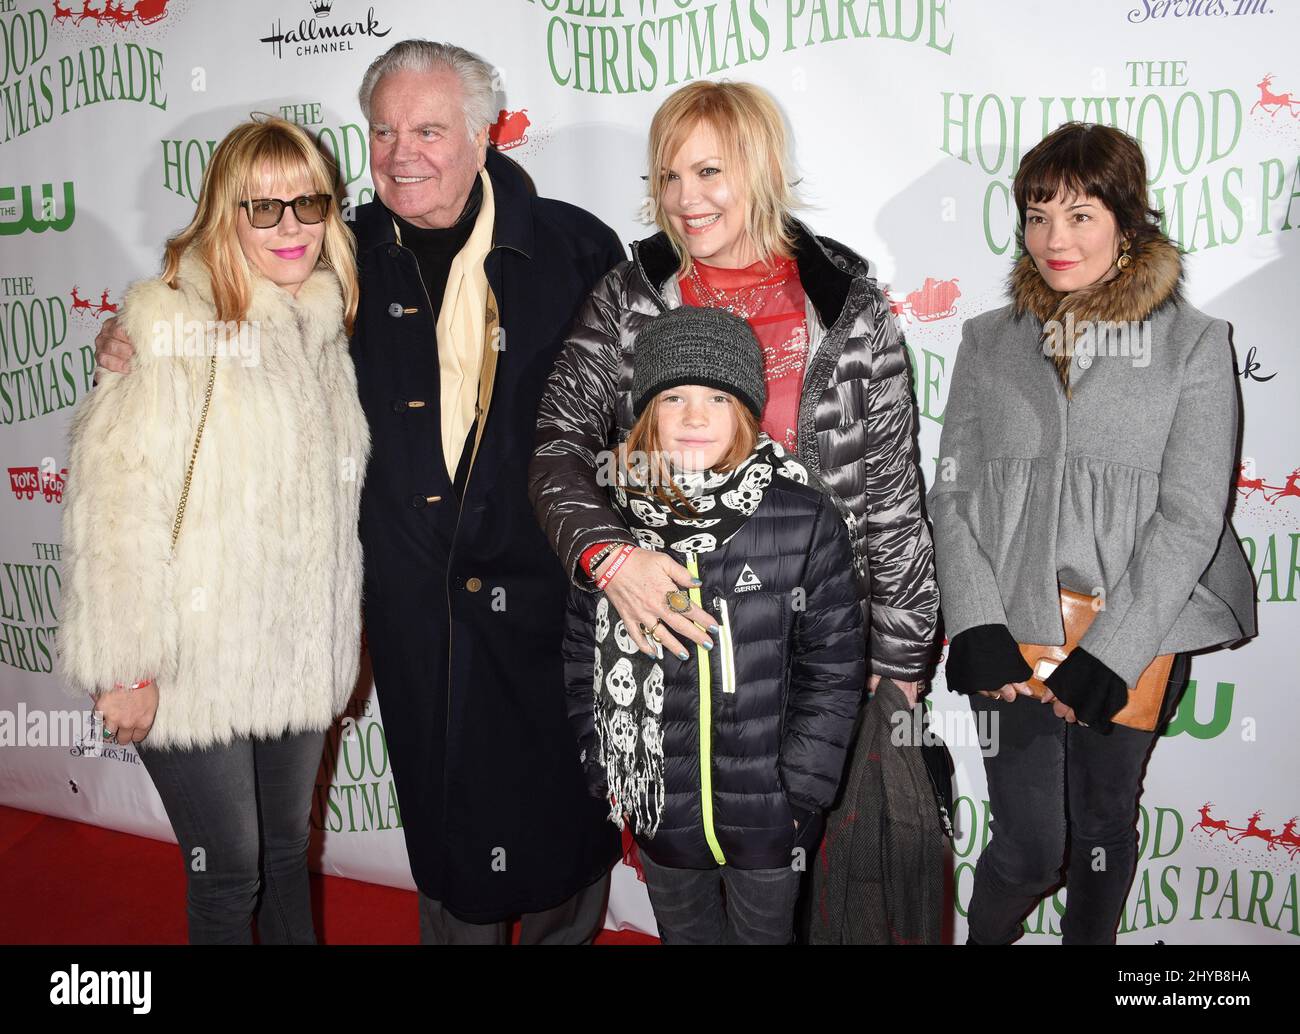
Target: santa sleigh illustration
[510,129]
[145,12]
[1247,486]
[933,300]
[1285,840]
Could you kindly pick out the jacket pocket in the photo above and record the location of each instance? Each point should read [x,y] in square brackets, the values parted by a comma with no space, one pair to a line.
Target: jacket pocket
[726,648]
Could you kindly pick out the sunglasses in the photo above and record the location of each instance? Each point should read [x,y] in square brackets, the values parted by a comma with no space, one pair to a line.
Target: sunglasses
[266,212]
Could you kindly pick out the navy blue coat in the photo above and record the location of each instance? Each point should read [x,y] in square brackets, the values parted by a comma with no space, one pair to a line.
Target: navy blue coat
[464,603]
[785,681]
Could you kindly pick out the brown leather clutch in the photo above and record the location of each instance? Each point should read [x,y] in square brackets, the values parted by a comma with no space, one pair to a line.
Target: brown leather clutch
[1144,699]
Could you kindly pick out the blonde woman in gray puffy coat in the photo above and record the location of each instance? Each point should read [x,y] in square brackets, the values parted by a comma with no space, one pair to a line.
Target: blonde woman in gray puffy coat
[838,387]
[212,571]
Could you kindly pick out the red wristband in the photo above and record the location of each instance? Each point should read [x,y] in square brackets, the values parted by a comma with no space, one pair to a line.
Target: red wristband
[620,558]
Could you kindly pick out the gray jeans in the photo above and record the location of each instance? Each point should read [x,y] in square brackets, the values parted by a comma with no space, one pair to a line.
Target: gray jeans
[690,907]
[1061,794]
[241,815]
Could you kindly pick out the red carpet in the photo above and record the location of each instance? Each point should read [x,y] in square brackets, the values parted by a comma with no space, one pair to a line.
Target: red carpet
[67,882]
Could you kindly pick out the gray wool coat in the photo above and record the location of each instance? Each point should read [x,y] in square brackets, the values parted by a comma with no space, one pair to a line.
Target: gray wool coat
[1120,492]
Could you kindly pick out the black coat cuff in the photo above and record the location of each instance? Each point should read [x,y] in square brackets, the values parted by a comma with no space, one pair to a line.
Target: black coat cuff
[1094,691]
[984,657]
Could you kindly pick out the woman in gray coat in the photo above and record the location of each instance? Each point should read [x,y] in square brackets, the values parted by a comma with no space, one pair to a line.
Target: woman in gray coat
[1088,444]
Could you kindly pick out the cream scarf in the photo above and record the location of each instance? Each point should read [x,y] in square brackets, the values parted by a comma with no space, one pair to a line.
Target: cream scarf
[461,326]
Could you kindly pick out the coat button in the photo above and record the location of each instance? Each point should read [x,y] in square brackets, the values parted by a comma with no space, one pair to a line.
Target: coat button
[473,584]
[395,310]
[1085,360]
[419,502]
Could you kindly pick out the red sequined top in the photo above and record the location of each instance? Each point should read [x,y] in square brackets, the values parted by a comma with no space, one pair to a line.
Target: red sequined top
[771,299]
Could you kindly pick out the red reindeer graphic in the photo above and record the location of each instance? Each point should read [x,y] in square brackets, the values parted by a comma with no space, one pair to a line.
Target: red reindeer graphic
[119,15]
[1211,825]
[1287,838]
[78,302]
[62,14]
[104,305]
[1277,101]
[1290,488]
[1253,829]
[89,12]
[1248,484]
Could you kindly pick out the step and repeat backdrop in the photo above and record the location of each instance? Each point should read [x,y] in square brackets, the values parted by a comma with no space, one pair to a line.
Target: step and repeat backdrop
[909,118]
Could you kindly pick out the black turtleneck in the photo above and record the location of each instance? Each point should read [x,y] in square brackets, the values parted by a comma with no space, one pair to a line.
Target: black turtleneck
[435,249]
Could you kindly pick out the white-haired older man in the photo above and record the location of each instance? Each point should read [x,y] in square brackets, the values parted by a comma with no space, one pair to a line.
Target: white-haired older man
[469,282]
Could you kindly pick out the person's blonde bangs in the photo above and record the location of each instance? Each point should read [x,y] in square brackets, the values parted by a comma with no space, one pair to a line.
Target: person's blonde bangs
[267,149]
[644,439]
[752,135]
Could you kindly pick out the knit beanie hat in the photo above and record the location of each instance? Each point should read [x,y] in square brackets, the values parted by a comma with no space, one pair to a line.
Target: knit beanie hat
[690,345]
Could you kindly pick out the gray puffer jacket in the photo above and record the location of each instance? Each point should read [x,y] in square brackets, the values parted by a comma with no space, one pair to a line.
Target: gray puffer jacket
[856,431]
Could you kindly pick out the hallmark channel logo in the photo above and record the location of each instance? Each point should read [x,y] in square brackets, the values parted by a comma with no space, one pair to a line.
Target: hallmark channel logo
[317,35]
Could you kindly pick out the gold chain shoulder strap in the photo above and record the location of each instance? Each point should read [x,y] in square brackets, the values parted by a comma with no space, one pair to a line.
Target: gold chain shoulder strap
[194,453]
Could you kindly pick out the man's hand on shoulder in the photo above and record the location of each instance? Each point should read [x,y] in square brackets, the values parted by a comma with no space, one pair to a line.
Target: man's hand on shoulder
[113,350]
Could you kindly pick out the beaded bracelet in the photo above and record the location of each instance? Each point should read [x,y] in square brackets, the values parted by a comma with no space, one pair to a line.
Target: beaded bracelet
[618,562]
[133,685]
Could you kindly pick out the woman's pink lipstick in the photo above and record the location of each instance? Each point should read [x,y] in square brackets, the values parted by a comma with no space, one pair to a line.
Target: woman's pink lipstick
[290,253]
[1061,265]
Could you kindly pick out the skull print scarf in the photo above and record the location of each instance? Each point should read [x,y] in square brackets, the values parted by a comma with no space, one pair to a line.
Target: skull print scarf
[628,684]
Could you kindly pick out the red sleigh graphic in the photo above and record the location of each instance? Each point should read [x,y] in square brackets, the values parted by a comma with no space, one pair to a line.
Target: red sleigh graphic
[1286,840]
[145,12]
[25,482]
[85,305]
[1271,493]
[510,129]
[1275,101]
[933,300]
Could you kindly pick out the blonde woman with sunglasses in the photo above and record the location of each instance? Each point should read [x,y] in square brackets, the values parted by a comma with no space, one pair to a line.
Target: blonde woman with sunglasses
[212,569]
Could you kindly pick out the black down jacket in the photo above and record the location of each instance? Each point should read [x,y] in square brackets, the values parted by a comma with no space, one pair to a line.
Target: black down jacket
[763,740]
[856,424]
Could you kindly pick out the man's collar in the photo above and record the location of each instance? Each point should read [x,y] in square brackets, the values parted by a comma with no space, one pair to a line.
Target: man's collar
[512,190]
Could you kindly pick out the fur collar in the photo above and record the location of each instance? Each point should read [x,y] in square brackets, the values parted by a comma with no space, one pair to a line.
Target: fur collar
[1153,281]
[320,296]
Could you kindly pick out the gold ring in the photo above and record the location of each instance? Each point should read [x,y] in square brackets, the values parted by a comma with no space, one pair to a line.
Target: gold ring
[678,600]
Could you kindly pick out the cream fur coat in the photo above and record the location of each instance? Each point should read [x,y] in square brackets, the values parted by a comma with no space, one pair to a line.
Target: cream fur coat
[252,629]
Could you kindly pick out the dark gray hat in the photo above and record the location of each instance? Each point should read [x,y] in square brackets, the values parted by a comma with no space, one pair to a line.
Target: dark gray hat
[698,346]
